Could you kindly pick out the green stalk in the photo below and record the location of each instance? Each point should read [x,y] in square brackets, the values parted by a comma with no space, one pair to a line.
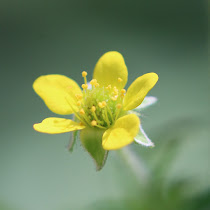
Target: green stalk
[135,164]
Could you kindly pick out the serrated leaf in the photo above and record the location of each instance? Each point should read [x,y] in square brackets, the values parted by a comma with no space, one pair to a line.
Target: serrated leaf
[143,139]
[91,139]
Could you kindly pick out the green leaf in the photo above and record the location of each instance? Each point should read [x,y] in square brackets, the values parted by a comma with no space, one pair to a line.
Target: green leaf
[143,139]
[91,139]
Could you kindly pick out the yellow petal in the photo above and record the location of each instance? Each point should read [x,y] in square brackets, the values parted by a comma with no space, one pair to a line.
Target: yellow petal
[138,90]
[122,133]
[58,92]
[53,125]
[111,70]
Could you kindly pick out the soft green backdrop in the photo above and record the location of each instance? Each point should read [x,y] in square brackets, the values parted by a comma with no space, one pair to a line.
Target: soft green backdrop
[40,37]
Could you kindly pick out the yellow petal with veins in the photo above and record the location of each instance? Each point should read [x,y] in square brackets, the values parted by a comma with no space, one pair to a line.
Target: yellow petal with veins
[54,125]
[58,93]
[122,133]
[138,90]
[109,68]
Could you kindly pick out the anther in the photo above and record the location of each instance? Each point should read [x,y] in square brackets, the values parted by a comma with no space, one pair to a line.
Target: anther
[114,98]
[109,87]
[78,96]
[119,79]
[115,91]
[104,103]
[93,81]
[123,91]
[84,73]
[82,112]
[93,108]
[93,123]
[119,106]
[84,86]
[78,103]
[100,104]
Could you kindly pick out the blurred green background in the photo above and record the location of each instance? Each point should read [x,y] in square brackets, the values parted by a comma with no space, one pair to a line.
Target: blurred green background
[40,37]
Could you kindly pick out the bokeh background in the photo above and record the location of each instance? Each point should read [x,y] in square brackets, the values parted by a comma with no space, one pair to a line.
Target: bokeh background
[39,37]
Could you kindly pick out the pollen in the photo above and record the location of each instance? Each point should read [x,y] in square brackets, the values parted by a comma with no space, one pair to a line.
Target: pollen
[115,91]
[78,103]
[93,123]
[119,106]
[123,91]
[114,98]
[84,86]
[78,96]
[100,104]
[93,81]
[81,111]
[109,87]
[119,79]
[84,73]
[93,108]
[104,103]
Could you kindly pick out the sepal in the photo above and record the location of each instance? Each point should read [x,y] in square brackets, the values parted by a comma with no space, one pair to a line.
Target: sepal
[72,141]
[91,139]
[143,139]
[148,101]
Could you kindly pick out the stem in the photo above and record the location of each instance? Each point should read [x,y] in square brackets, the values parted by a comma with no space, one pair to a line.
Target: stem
[135,164]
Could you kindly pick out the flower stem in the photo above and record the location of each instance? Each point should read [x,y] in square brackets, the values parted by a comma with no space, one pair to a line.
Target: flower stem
[135,164]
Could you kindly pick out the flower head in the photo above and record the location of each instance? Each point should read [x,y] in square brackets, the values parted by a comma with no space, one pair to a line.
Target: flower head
[103,111]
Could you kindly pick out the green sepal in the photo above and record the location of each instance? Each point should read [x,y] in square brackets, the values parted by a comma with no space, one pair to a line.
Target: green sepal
[72,140]
[91,139]
[143,139]
[148,101]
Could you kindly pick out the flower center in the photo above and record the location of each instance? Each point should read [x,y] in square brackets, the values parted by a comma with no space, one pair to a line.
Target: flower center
[99,106]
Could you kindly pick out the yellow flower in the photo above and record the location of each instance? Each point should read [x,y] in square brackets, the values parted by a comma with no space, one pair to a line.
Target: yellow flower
[103,111]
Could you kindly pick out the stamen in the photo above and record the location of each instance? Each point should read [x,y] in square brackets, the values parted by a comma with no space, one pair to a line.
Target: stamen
[104,103]
[109,87]
[84,117]
[100,104]
[114,98]
[78,96]
[110,113]
[93,108]
[106,117]
[97,84]
[79,103]
[93,123]
[123,91]
[115,91]
[119,79]
[81,111]
[84,86]
[84,73]
[119,106]
[75,112]
[96,118]
[92,82]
